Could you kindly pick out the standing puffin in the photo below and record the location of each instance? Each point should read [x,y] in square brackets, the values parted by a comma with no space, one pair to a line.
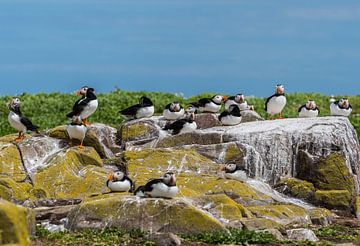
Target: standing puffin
[119,182]
[309,110]
[164,187]
[232,171]
[77,130]
[239,100]
[341,108]
[173,111]
[187,124]
[230,117]
[209,105]
[86,106]
[276,103]
[144,109]
[18,121]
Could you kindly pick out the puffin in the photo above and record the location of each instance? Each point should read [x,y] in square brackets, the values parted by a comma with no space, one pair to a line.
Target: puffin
[119,182]
[231,117]
[164,187]
[276,103]
[144,109]
[18,121]
[232,171]
[341,108]
[86,106]
[77,130]
[209,105]
[187,124]
[309,110]
[238,99]
[173,111]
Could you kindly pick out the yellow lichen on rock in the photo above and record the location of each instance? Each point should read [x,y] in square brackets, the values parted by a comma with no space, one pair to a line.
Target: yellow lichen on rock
[338,199]
[10,162]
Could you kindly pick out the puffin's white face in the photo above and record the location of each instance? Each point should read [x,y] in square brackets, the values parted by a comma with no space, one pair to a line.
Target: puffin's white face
[344,102]
[175,106]
[118,175]
[311,104]
[190,110]
[230,167]
[218,99]
[169,178]
[279,89]
[82,91]
[15,102]
[239,98]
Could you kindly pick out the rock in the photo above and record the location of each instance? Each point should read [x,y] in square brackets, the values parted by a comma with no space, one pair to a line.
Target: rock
[207,120]
[321,216]
[276,233]
[296,188]
[256,224]
[155,215]
[16,224]
[165,239]
[357,207]
[334,199]
[19,192]
[53,214]
[250,116]
[302,235]
[10,162]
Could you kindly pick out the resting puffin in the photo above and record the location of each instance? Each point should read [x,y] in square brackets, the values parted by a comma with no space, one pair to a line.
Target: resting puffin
[86,106]
[276,103]
[119,182]
[209,105]
[144,109]
[230,117]
[164,187]
[77,130]
[173,111]
[187,124]
[18,121]
[239,100]
[341,108]
[232,171]
[309,110]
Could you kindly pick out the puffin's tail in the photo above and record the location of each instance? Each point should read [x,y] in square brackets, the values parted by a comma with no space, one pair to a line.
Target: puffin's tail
[139,191]
[33,128]
[70,115]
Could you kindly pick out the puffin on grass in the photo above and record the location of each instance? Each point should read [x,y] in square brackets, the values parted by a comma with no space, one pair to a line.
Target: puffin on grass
[77,130]
[187,124]
[119,182]
[164,187]
[173,111]
[230,117]
[341,108]
[239,100]
[144,109]
[86,106]
[309,110]
[209,105]
[276,103]
[232,171]
[18,121]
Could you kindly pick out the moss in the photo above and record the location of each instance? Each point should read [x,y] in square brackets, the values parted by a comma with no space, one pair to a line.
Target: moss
[10,162]
[233,154]
[16,191]
[297,188]
[321,216]
[333,199]
[189,139]
[357,207]
[261,224]
[136,131]
[16,224]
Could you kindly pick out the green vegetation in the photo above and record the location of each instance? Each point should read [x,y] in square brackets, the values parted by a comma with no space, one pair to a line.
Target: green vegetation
[337,233]
[49,110]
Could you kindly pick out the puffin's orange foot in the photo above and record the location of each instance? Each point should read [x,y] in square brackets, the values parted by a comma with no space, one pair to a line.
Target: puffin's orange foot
[18,140]
[87,124]
[81,147]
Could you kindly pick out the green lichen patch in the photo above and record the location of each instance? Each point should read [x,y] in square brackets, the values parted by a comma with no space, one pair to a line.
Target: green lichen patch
[233,154]
[296,188]
[334,199]
[10,162]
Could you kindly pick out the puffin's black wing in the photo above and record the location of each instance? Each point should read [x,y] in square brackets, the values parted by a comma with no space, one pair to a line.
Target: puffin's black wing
[130,110]
[131,183]
[317,109]
[149,186]
[224,114]
[168,106]
[267,101]
[201,103]
[303,106]
[29,125]
[230,98]
[78,107]
[176,126]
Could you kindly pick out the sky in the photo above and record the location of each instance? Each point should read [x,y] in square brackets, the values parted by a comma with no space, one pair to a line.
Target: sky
[180,46]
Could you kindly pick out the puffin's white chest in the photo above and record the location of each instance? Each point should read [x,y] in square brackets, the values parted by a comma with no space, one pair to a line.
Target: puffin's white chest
[239,175]
[145,112]
[276,104]
[305,113]
[119,186]
[173,115]
[76,131]
[89,109]
[210,107]
[242,106]
[162,190]
[336,111]
[15,122]
[189,127]
[230,120]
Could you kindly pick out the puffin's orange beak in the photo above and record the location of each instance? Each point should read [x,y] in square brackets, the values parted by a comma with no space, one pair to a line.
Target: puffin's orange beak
[225,98]
[173,180]
[111,177]
[78,93]
[222,168]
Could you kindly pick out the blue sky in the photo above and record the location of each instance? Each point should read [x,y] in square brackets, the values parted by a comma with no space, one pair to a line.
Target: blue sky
[187,46]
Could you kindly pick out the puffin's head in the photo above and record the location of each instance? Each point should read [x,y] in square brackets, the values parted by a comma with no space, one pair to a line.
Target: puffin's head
[116,176]
[169,178]
[279,89]
[190,111]
[218,99]
[82,91]
[175,106]
[90,91]
[239,98]
[344,102]
[228,168]
[311,104]
[15,103]
[145,101]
